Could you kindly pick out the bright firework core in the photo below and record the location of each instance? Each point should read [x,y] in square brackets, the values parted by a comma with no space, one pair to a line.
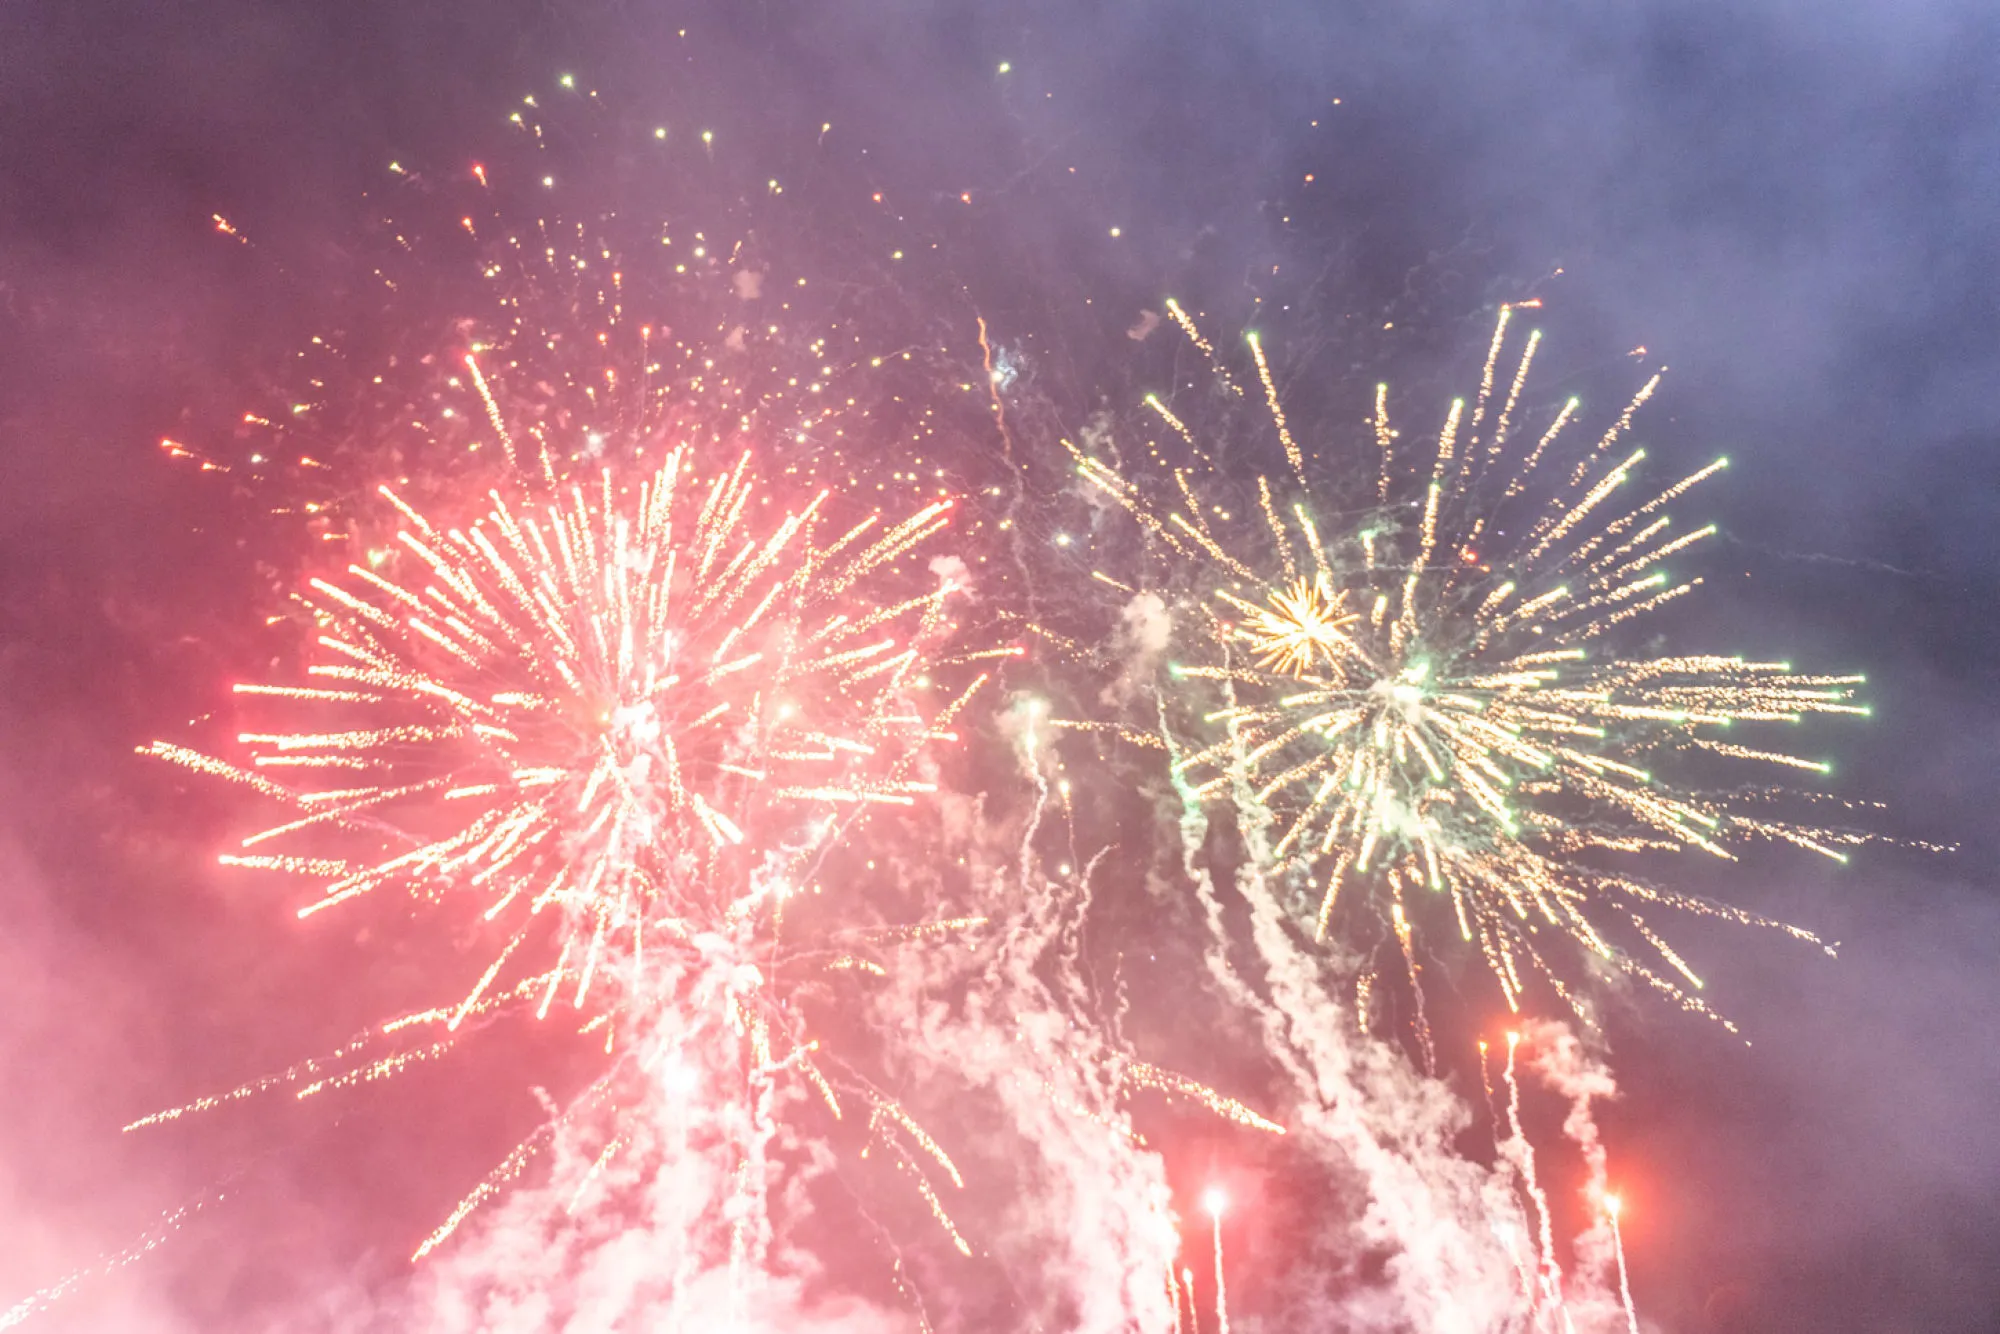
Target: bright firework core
[592,710]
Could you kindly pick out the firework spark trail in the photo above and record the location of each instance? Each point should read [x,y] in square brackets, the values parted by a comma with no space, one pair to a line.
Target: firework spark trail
[1466,1255]
[1424,703]
[35,1303]
[629,722]
[1613,1206]
[1546,1293]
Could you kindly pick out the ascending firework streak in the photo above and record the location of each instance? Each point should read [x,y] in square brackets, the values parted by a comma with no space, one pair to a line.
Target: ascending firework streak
[1215,1203]
[627,722]
[1425,701]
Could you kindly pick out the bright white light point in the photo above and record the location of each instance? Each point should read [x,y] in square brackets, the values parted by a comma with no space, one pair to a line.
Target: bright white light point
[1215,1201]
[1006,66]
[548,182]
[708,136]
[1062,539]
[1612,1204]
[568,81]
[1117,231]
[660,133]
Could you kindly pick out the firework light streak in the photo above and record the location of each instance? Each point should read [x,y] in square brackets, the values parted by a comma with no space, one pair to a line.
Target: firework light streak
[1362,1111]
[628,724]
[1613,1206]
[1214,1203]
[1427,701]
[619,713]
[623,713]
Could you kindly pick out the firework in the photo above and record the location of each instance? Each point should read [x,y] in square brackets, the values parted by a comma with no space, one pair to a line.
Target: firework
[1021,1024]
[1431,702]
[613,706]
[626,723]
[589,702]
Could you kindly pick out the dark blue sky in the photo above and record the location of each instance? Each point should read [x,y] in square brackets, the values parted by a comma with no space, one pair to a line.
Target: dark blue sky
[1796,206]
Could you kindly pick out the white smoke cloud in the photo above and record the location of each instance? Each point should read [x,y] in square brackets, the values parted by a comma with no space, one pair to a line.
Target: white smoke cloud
[951,569]
[668,1213]
[1145,628]
[1090,1226]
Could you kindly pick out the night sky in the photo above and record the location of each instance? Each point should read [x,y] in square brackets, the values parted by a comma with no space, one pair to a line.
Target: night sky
[1795,206]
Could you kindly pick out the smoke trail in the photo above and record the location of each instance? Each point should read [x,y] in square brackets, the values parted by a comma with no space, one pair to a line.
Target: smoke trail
[1459,1250]
[1364,1112]
[1090,1215]
[663,1211]
[1565,1068]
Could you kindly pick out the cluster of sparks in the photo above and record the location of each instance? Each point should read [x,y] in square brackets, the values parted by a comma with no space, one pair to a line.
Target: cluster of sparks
[624,707]
[1424,701]
[628,726]
[622,712]
[603,699]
